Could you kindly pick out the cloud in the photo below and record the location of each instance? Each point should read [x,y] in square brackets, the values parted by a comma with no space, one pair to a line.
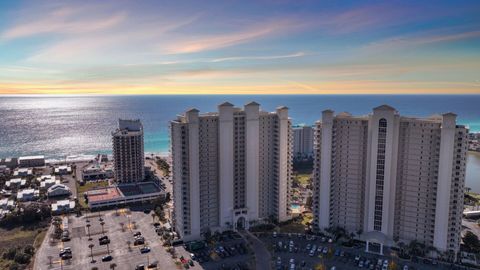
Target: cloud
[63,21]
[269,57]
[248,34]
[91,47]
[420,39]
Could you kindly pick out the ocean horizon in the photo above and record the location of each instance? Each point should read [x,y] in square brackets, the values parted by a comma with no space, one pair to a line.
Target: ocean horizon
[61,126]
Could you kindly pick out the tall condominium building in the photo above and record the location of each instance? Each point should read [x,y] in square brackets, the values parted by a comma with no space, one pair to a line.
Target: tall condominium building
[128,151]
[302,141]
[391,177]
[230,168]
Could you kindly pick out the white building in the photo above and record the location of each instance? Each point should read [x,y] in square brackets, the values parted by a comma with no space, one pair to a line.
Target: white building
[394,178]
[230,168]
[302,142]
[46,181]
[15,183]
[28,194]
[22,172]
[62,170]
[62,206]
[58,190]
[31,161]
[6,204]
[128,153]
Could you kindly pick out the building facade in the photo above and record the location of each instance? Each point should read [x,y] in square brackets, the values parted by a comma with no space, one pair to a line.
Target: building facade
[230,168]
[398,178]
[302,142]
[128,153]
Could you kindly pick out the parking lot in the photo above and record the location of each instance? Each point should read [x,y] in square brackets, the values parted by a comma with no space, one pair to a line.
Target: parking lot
[306,253]
[120,230]
[227,251]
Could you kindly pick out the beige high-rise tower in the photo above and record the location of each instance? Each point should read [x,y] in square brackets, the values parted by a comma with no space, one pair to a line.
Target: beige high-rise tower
[391,177]
[231,168]
[128,153]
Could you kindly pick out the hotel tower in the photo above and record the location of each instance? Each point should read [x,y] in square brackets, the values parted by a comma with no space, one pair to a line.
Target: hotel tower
[128,155]
[391,178]
[231,168]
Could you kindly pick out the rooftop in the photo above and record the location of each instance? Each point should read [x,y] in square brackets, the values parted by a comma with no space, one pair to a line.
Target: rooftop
[130,125]
[103,194]
[31,157]
[138,188]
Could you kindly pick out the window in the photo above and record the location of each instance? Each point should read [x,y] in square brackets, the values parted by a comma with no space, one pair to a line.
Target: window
[380,177]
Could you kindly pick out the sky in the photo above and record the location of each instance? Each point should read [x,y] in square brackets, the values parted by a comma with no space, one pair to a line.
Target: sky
[239,47]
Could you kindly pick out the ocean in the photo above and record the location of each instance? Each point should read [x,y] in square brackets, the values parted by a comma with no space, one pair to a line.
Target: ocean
[60,126]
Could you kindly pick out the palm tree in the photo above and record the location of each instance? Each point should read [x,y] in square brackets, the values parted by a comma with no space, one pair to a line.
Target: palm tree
[113,265]
[91,251]
[128,244]
[102,223]
[50,260]
[153,217]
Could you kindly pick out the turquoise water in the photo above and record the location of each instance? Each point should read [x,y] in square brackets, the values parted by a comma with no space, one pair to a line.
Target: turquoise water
[295,206]
[59,126]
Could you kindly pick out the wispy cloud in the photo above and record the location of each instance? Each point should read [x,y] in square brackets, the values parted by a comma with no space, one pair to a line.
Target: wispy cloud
[268,57]
[63,21]
[211,42]
[419,39]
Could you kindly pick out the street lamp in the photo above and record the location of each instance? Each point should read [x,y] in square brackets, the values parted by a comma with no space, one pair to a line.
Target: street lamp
[91,251]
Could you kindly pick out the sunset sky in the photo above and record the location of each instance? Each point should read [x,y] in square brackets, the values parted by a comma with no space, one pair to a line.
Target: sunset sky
[239,47]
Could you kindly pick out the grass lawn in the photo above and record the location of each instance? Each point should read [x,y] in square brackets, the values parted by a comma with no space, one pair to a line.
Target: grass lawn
[86,187]
[90,185]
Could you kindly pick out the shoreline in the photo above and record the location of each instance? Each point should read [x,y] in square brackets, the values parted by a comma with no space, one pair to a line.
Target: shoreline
[87,157]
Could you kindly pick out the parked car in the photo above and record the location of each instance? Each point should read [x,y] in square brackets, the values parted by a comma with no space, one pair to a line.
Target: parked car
[66,256]
[153,265]
[107,258]
[140,267]
[137,234]
[104,241]
[144,250]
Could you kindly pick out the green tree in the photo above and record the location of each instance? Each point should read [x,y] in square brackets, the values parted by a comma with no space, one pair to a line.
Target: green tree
[29,249]
[471,241]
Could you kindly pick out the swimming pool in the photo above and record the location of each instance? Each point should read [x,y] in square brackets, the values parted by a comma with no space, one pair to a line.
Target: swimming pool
[295,206]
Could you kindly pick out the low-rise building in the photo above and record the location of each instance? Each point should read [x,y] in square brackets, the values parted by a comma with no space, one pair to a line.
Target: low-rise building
[7,204]
[97,172]
[22,172]
[62,170]
[28,194]
[124,194]
[11,163]
[4,170]
[15,183]
[47,183]
[63,206]
[31,161]
[58,190]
